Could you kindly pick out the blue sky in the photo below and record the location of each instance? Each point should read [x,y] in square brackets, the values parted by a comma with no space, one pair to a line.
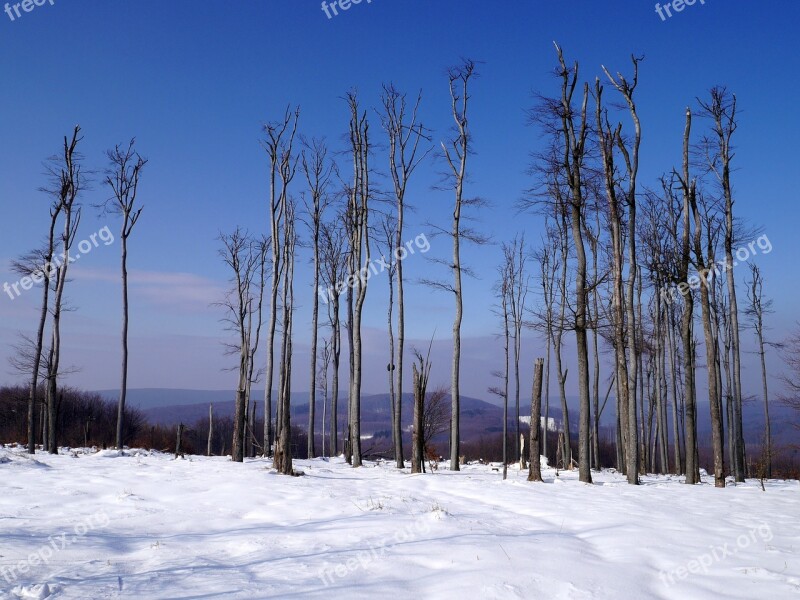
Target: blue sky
[195,81]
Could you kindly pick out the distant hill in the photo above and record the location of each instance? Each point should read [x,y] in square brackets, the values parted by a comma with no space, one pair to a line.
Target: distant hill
[478,417]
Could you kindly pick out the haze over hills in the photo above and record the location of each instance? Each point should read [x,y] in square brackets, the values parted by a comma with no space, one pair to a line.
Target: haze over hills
[479,417]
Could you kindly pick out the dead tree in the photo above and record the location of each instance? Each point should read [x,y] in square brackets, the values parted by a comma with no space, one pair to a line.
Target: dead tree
[122,177]
[405,134]
[535,464]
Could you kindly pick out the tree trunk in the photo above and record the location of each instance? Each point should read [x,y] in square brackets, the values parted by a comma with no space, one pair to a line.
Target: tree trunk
[535,464]
[210,428]
[123,388]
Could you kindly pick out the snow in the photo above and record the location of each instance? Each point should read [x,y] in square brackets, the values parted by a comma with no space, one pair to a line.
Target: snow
[144,525]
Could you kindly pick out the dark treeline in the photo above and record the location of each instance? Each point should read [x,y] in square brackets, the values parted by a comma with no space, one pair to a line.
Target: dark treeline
[82,418]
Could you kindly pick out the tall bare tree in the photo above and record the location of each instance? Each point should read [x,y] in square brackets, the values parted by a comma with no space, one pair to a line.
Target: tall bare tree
[359,196]
[122,177]
[758,308]
[619,192]
[278,145]
[245,258]
[405,134]
[334,270]
[67,183]
[388,237]
[573,139]
[283,445]
[504,293]
[721,109]
[322,384]
[39,264]
[688,187]
[318,172]
[516,259]
[456,152]
[704,259]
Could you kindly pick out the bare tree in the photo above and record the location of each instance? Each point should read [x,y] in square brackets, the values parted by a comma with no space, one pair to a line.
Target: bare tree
[574,133]
[435,417]
[318,173]
[68,182]
[359,196]
[322,383]
[456,152]
[279,148]
[626,192]
[334,269]
[516,258]
[791,379]
[388,237]
[122,177]
[421,371]
[210,428]
[688,187]
[721,109]
[759,306]
[704,258]
[283,446]
[548,270]
[405,134]
[503,292]
[39,265]
[245,258]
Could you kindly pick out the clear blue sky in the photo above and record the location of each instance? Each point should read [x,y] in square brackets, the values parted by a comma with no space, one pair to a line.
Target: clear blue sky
[194,81]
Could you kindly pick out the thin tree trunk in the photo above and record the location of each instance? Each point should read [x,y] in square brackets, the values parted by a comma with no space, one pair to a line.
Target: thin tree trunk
[210,428]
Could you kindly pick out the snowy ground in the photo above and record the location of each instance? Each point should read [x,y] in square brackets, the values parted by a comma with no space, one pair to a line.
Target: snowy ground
[146,526]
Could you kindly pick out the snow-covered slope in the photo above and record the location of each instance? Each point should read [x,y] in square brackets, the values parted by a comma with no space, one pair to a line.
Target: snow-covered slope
[144,525]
